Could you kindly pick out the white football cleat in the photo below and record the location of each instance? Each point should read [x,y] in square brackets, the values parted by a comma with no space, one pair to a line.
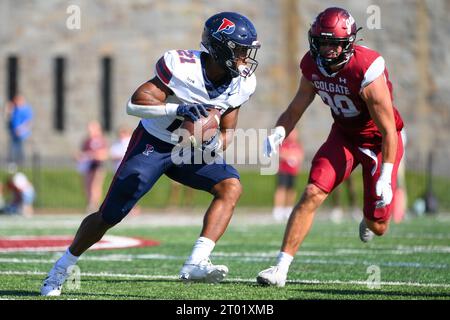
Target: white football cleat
[204,271]
[365,234]
[52,285]
[272,276]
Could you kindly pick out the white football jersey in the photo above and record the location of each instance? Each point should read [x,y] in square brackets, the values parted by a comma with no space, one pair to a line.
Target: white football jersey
[182,72]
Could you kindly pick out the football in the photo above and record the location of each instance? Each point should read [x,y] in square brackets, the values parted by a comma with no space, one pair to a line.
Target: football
[201,130]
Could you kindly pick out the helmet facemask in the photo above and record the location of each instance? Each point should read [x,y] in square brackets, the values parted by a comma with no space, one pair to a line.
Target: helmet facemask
[238,59]
[315,43]
[242,61]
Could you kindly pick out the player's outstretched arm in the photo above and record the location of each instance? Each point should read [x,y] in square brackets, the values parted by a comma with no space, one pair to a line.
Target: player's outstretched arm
[289,118]
[378,100]
[303,98]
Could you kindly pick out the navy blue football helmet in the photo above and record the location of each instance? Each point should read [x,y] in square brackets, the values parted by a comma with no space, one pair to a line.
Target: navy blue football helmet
[229,38]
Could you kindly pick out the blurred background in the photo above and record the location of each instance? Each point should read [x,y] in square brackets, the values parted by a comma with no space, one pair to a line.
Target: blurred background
[75,63]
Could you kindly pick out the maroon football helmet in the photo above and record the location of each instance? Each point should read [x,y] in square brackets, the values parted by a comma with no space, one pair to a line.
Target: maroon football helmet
[334,26]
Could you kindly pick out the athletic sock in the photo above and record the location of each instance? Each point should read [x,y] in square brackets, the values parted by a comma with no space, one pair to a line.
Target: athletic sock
[67,260]
[201,251]
[284,261]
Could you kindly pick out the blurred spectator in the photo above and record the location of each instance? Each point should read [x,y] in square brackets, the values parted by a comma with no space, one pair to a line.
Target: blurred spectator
[19,116]
[2,199]
[21,193]
[119,147]
[337,212]
[291,158]
[91,160]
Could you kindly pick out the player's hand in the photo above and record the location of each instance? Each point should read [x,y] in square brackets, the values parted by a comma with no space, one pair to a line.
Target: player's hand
[272,142]
[213,145]
[193,111]
[383,188]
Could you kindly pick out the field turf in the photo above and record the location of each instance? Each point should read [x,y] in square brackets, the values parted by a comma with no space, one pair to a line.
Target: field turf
[413,259]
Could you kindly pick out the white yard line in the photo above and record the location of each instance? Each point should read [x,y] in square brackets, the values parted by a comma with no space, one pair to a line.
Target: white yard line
[237,256]
[242,218]
[242,280]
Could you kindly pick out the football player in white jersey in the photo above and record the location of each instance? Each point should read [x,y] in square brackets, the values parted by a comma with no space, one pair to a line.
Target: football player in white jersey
[187,83]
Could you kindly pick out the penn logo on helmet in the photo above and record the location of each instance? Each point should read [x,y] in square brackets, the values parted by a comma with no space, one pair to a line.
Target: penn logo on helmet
[226,27]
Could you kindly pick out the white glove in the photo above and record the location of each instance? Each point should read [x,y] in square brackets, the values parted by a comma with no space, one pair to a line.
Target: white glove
[383,188]
[272,142]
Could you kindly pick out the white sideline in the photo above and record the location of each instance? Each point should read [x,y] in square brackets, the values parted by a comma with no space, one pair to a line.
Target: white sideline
[329,251]
[166,277]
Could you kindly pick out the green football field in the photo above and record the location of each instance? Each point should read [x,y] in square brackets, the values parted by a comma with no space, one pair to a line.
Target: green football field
[412,261]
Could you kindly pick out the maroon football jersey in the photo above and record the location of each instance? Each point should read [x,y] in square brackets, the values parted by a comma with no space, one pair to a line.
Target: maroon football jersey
[341,92]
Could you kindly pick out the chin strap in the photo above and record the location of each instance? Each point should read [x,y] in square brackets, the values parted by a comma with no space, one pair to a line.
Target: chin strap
[326,69]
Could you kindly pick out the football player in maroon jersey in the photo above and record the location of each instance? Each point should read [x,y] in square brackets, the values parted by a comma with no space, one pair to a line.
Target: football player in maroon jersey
[353,81]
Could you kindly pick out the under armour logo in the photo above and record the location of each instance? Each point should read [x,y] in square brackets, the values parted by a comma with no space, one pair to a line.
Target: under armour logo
[342,80]
[148,149]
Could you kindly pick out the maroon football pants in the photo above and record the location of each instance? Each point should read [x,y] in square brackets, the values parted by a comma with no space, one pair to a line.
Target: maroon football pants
[339,156]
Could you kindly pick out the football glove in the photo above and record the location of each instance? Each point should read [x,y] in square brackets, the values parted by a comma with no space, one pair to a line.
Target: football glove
[193,111]
[383,188]
[272,142]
